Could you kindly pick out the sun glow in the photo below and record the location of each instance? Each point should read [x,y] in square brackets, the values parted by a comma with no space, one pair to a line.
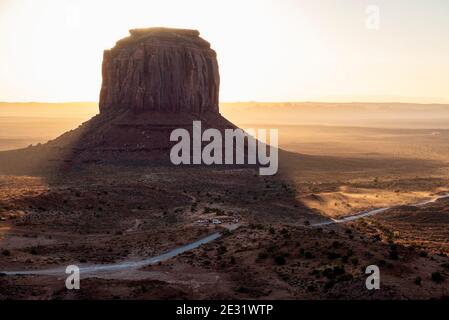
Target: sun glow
[51,50]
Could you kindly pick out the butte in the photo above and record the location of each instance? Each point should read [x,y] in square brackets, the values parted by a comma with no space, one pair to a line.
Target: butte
[154,81]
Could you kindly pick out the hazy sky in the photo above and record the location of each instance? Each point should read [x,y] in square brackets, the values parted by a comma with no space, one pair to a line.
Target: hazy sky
[51,50]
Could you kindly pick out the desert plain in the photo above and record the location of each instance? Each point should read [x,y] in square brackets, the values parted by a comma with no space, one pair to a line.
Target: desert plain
[277,237]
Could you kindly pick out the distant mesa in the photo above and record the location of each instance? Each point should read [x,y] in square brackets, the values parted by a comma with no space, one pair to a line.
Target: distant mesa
[154,81]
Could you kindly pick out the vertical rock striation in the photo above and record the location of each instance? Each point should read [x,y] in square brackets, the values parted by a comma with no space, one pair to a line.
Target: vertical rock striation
[160,69]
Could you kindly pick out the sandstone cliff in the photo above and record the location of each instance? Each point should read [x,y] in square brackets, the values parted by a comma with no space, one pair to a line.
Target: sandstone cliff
[154,81]
[160,69]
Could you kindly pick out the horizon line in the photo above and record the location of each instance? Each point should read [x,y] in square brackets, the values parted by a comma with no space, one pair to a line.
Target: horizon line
[249,101]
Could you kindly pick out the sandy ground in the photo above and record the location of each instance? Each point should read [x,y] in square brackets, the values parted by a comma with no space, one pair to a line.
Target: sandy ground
[104,215]
[107,215]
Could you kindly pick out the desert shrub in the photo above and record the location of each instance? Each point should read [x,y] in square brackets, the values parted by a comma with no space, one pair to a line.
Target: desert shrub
[381,263]
[308,255]
[212,210]
[418,281]
[279,260]
[328,273]
[242,289]
[221,249]
[311,288]
[437,277]
[262,256]
[273,248]
[394,255]
[423,254]
[329,284]
[345,277]
[390,237]
[143,288]
[333,255]
[226,233]
[339,270]
[336,244]
[316,272]
[6,252]
[355,261]
[285,233]
[272,231]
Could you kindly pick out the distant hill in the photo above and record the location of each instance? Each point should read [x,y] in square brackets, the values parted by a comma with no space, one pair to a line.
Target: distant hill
[48,110]
[348,114]
[280,113]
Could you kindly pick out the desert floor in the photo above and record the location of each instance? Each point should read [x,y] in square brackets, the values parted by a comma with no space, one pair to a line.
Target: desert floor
[104,215]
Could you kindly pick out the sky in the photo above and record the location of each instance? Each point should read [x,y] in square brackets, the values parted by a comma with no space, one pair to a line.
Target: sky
[279,50]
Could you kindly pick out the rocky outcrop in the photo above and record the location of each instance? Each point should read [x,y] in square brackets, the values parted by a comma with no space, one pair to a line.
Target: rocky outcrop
[154,81]
[160,69]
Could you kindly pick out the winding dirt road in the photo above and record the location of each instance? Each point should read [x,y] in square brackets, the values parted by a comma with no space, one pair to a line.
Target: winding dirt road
[126,266]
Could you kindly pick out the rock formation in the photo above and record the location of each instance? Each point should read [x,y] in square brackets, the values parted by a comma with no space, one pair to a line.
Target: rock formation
[154,81]
[160,69]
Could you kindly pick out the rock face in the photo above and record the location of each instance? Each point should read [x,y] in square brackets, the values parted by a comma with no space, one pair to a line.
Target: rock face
[154,81]
[160,69]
